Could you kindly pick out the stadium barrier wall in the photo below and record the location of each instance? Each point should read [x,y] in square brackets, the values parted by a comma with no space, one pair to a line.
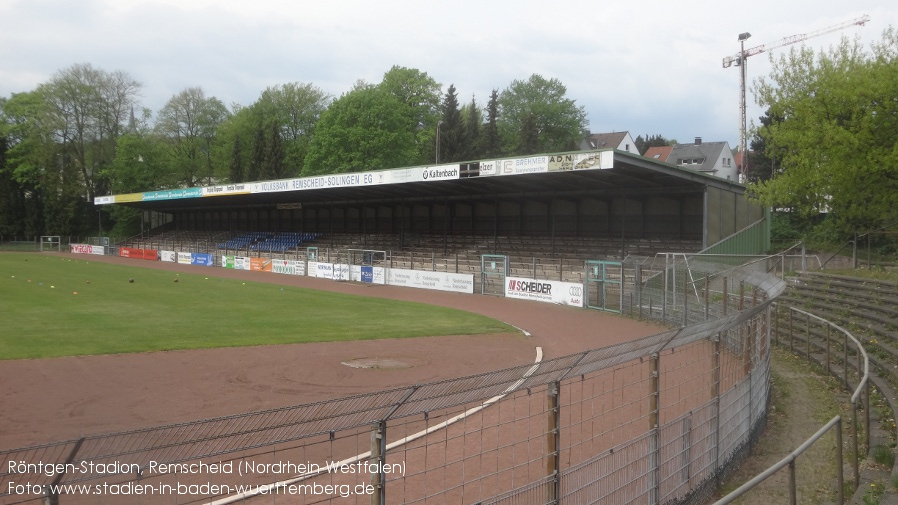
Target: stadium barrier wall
[661,419]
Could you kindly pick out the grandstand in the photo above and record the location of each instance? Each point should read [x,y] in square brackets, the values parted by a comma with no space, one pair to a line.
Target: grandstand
[543,212]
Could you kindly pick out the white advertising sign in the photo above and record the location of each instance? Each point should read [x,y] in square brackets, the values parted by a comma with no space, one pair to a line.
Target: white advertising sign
[184,258]
[170,256]
[563,293]
[288,267]
[441,281]
[87,249]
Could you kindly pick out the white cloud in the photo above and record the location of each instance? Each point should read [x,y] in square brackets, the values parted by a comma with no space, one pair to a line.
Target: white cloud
[653,67]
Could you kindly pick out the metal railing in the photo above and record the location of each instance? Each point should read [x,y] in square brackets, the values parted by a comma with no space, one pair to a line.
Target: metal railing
[861,392]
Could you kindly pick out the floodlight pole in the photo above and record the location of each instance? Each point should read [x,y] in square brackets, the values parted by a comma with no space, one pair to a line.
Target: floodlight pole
[743,126]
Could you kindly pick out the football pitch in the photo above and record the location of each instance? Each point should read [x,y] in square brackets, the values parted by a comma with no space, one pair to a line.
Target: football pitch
[59,306]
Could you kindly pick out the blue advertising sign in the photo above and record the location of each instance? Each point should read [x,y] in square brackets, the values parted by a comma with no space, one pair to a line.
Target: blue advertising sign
[368,274]
[204,259]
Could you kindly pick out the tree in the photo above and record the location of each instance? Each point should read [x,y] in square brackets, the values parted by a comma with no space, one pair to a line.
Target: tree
[644,143]
[473,121]
[451,131]
[287,115]
[762,159]
[89,108]
[365,129]
[838,137]
[189,123]
[419,95]
[559,121]
[492,141]
[528,139]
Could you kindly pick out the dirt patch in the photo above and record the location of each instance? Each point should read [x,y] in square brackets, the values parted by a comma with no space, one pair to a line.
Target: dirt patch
[382,363]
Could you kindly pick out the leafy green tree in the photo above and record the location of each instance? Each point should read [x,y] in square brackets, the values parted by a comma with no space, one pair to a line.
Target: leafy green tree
[189,123]
[838,137]
[559,121]
[365,129]
[420,96]
[288,114]
[528,140]
[451,129]
[492,141]
[89,109]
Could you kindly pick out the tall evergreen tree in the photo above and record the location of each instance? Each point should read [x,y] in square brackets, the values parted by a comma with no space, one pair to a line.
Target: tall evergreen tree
[492,141]
[451,139]
[473,123]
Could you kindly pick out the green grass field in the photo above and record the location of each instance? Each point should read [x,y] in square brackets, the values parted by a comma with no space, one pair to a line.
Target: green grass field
[41,316]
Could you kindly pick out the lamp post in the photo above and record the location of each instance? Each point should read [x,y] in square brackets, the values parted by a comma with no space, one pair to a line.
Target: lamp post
[743,62]
[439,123]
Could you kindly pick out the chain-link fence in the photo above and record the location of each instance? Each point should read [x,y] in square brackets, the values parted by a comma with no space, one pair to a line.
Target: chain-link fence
[661,419]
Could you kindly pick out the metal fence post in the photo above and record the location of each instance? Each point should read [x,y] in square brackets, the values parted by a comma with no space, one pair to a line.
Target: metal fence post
[840,472]
[378,458]
[553,442]
[654,456]
[715,393]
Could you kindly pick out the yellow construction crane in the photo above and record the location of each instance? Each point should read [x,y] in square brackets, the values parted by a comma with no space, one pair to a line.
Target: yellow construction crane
[740,60]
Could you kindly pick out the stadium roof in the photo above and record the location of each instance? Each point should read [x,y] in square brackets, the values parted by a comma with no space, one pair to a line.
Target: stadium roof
[599,174]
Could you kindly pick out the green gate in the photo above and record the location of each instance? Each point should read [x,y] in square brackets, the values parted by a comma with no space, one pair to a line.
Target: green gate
[604,287]
[493,271]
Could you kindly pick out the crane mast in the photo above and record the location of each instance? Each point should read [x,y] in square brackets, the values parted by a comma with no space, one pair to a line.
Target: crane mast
[740,60]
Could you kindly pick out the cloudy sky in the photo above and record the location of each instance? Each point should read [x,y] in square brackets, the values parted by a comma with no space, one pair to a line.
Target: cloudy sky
[650,67]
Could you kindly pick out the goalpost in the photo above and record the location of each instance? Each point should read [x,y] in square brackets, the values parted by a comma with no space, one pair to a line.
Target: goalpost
[367,265]
[50,243]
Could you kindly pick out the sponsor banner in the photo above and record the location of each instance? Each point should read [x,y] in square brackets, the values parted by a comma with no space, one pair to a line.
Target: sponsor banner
[324,270]
[440,173]
[350,180]
[171,194]
[260,264]
[169,256]
[104,200]
[563,293]
[581,161]
[489,167]
[334,271]
[368,274]
[151,254]
[288,267]
[184,258]
[422,174]
[128,252]
[87,249]
[241,263]
[440,281]
[204,259]
[229,189]
[312,270]
[341,272]
[520,166]
[227,261]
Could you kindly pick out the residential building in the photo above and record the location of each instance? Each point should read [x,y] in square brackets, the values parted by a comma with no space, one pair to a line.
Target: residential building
[617,140]
[715,158]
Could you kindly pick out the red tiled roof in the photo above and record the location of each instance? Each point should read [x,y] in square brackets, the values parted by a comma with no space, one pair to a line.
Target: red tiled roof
[661,153]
